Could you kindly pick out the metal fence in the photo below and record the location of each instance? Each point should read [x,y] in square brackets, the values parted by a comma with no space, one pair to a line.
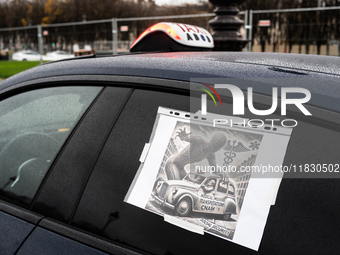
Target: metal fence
[293,31]
[104,36]
[116,35]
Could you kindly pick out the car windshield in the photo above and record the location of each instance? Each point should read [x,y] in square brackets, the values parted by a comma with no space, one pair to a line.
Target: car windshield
[195,178]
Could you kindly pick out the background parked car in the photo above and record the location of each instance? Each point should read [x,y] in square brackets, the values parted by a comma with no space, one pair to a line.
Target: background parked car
[26,55]
[57,55]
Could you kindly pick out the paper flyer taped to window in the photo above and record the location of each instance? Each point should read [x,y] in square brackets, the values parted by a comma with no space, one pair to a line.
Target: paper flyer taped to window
[204,175]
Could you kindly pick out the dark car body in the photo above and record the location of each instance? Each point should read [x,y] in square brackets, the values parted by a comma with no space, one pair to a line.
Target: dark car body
[77,206]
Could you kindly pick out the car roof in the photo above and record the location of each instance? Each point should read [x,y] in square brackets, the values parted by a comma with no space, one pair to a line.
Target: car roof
[185,65]
[288,70]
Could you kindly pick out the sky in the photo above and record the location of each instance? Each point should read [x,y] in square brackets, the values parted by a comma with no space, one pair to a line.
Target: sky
[176,2]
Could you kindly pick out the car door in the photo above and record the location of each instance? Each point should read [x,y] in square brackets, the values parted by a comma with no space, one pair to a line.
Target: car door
[38,125]
[82,197]
[221,196]
[102,210]
[15,226]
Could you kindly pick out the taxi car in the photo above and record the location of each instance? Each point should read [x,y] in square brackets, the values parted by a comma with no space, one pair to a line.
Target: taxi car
[208,193]
[72,133]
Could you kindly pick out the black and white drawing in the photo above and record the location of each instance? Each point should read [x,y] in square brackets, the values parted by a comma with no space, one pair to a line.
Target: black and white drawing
[199,179]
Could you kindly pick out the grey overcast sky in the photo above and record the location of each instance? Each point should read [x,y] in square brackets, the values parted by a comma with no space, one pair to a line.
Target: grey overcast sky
[176,2]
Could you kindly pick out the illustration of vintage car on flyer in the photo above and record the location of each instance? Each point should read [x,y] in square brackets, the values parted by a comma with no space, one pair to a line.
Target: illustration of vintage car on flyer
[208,179]
[203,193]
[188,184]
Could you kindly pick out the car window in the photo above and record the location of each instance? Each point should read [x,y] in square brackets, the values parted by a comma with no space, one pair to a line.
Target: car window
[231,190]
[34,126]
[222,186]
[102,209]
[195,178]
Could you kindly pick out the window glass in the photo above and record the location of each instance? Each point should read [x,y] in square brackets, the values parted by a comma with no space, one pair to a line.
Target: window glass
[222,187]
[195,178]
[102,209]
[231,190]
[34,126]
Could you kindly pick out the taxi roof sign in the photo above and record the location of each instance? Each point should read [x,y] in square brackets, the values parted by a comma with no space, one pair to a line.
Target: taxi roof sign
[183,37]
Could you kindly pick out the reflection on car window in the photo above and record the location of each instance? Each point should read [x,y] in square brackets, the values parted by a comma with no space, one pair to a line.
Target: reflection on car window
[195,178]
[231,190]
[34,126]
[222,186]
